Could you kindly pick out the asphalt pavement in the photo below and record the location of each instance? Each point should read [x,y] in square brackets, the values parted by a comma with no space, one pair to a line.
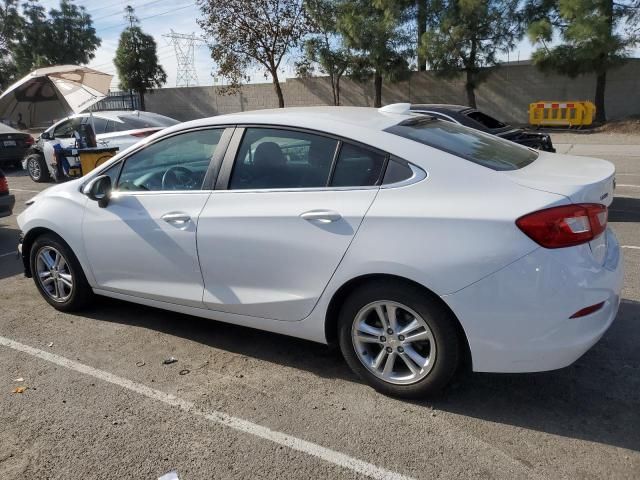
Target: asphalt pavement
[100,403]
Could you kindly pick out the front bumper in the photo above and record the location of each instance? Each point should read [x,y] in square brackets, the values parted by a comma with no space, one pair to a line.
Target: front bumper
[7,203]
[517,319]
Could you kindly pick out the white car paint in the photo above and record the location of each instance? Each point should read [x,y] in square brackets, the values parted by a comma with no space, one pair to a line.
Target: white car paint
[247,257]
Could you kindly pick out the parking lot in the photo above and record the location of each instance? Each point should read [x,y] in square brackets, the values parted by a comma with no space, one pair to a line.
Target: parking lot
[100,403]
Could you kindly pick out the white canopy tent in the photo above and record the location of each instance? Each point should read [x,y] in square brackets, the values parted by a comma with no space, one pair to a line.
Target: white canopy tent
[52,93]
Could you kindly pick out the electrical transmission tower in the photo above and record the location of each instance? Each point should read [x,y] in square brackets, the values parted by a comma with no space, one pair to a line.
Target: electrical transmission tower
[185,48]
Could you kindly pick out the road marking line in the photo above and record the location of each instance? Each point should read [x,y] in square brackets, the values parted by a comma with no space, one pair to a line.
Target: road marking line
[627,185]
[23,190]
[631,246]
[245,426]
[9,253]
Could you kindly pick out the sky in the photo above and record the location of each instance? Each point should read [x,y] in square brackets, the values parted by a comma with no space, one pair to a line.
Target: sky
[159,17]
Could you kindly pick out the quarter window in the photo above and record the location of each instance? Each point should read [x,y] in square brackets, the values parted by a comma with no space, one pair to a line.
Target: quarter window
[179,162]
[274,158]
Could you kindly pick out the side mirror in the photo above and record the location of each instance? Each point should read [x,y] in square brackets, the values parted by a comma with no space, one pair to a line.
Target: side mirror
[99,190]
[46,136]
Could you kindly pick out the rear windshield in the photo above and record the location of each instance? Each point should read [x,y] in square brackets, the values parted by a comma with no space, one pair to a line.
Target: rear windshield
[146,121]
[473,145]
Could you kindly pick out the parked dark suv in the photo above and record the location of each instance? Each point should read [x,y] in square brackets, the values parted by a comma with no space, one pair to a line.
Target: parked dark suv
[470,117]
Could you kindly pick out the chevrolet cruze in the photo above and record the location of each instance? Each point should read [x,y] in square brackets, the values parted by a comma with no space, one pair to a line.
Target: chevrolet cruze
[411,242]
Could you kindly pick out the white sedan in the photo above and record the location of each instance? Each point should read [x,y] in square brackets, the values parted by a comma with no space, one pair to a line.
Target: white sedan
[413,243]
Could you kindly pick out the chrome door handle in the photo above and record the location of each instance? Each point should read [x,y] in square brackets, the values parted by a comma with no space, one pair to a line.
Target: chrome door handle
[176,218]
[321,216]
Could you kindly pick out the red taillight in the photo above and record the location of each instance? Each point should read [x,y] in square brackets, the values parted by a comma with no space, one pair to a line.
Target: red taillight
[29,141]
[4,185]
[587,310]
[565,226]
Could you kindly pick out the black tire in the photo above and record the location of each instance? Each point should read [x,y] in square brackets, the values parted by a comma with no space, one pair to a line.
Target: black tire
[37,168]
[438,318]
[81,293]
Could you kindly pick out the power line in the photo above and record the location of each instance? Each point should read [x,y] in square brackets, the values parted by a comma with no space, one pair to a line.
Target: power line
[148,17]
[118,13]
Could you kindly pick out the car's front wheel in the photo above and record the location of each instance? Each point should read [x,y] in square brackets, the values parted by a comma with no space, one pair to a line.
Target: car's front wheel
[399,339]
[58,274]
[37,168]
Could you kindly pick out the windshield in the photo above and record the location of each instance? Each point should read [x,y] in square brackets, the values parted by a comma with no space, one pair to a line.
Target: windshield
[477,147]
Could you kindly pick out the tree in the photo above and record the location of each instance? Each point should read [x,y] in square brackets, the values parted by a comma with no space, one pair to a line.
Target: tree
[136,60]
[324,47]
[465,37]
[64,36]
[247,33]
[593,36]
[10,25]
[375,31]
[422,8]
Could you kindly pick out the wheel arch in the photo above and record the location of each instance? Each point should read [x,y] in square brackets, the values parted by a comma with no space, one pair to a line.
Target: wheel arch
[27,243]
[339,296]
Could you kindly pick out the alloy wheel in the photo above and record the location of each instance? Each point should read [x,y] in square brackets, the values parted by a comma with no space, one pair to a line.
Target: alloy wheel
[54,274]
[393,342]
[34,168]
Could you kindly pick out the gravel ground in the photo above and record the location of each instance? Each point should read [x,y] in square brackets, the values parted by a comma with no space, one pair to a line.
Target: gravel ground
[579,422]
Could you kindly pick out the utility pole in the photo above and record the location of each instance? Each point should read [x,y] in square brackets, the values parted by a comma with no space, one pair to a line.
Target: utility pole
[184,46]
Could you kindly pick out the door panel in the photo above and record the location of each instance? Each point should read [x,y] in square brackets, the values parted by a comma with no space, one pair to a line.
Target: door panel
[144,242]
[260,257]
[134,250]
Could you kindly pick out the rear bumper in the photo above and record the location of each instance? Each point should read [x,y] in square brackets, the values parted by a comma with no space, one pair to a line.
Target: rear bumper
[11,155]
[7,203]
[517,319]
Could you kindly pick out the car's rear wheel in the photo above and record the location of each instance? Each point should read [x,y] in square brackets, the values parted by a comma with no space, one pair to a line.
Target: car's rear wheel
[399,339]
[37,168]
[58,274]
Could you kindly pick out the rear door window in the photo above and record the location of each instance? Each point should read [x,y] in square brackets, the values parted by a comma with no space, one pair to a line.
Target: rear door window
[477,147]
[276,158]
[357,167]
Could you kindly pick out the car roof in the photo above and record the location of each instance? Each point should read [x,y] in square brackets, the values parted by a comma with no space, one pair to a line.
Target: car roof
[440,107]
[116,114]
[327,119]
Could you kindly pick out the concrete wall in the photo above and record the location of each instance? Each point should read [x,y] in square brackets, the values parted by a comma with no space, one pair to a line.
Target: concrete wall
[506,93]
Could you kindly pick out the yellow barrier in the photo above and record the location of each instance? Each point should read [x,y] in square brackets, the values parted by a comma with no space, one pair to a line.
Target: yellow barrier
[568,114]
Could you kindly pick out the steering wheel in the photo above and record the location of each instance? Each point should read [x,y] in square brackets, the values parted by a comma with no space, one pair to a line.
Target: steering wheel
[170,180]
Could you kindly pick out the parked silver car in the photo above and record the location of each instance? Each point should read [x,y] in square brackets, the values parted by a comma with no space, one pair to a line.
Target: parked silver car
[113,129]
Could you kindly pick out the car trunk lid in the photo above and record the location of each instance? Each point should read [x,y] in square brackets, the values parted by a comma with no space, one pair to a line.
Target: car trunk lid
[581,179]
